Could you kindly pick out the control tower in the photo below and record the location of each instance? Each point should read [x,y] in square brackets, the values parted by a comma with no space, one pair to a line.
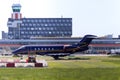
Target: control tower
[16,11]
[14,22]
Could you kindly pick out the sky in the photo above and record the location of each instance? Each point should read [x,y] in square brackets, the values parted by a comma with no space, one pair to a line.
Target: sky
[97,17]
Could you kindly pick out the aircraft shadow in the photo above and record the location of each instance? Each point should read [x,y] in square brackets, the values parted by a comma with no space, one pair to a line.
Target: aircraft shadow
[75,58]
[115,56]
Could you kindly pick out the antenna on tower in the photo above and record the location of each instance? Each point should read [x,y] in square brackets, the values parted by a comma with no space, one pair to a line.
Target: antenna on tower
[19,1]
[16,1]
[61,16]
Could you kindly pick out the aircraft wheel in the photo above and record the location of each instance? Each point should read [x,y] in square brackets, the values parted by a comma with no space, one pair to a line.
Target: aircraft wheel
[56,57]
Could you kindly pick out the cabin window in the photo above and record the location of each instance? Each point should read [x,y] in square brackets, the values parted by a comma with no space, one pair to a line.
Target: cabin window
[52,48]
[35,49]
[45,48]
[48,48]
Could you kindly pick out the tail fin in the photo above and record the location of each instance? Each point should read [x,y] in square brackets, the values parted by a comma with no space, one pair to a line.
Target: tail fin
[87,40]
[83,44]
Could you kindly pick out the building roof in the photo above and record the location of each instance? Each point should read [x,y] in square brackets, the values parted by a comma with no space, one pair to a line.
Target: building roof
[16,5]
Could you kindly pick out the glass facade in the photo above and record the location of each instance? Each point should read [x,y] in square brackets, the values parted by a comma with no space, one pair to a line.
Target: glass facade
[40,27]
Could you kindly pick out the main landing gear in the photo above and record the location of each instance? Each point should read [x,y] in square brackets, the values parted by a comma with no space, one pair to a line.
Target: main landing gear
[56,57]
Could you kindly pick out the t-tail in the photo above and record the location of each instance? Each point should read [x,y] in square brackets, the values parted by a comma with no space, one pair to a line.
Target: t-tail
[86,40]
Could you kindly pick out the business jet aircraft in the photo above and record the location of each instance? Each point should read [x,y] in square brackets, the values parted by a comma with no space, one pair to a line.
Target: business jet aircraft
[56,50]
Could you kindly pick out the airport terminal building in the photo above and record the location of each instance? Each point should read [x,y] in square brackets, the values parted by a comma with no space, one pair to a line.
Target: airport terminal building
[25,28]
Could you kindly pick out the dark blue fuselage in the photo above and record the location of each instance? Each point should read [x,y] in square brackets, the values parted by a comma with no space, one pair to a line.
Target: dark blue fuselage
[56,50]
